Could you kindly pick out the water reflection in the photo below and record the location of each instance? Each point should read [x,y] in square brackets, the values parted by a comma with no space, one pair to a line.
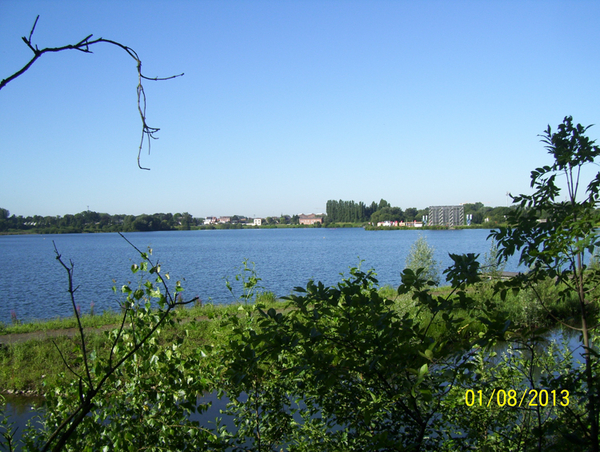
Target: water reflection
[21,410]
[568,339]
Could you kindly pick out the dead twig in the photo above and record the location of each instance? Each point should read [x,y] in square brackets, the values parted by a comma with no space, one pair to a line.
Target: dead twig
[84,46]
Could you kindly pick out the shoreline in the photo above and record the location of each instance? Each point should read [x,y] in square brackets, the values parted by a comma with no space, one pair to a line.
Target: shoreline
[287,226]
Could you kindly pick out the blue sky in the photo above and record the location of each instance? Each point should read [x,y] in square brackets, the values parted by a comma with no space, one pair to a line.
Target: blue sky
[287,104]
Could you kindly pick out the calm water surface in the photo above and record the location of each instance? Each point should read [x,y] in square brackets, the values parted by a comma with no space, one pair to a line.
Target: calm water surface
[33,284]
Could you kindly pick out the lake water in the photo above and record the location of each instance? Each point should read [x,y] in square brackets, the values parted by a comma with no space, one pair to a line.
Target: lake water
[33,284]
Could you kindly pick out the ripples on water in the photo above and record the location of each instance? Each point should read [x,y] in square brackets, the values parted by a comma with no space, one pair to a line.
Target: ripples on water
[33,284]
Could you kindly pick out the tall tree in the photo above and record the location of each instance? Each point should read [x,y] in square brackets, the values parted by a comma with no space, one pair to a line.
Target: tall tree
[383,203]
[553,233]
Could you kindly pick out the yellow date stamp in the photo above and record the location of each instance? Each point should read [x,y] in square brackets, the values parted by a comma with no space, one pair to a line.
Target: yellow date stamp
[513,398]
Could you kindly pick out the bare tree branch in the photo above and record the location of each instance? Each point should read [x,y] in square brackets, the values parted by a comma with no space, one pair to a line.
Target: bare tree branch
[84,46]
[71,291]
[79,377]
[87,395]
[81,332]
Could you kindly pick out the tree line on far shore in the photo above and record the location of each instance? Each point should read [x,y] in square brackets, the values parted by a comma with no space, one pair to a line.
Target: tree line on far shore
[359,212]
[337,212]
[89,221]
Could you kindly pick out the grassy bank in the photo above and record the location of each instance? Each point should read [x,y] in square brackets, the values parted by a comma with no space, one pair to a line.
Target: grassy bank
[30,362]
[27,362]
[109,318]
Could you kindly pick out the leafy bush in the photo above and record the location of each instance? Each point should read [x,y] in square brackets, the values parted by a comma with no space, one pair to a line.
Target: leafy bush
[420,256]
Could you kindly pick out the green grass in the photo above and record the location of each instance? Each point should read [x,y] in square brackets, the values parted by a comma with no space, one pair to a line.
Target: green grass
[28,365]
[24,365]
[36,364]
[108,318]
[88,321]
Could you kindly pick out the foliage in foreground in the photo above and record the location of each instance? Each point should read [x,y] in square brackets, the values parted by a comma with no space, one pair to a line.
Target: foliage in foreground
[342,369]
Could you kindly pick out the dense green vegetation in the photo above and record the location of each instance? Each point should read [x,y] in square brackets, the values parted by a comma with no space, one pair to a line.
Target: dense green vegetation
[359,213]
[89,221]
[29,361]
[355,367]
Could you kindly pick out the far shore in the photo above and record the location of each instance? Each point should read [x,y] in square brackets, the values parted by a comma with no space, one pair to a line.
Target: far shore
[276,226]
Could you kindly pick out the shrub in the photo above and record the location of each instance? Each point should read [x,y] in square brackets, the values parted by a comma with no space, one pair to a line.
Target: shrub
[421,257]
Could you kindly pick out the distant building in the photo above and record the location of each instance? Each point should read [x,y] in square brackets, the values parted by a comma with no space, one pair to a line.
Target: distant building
[224,220]
[401,224]
[309,219]
[258,222]
[210,220]
[446,216]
